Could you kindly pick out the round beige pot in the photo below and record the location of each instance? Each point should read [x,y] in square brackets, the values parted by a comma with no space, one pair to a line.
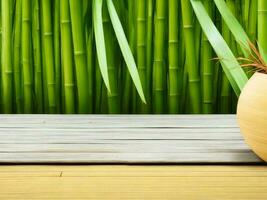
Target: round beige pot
[252,114]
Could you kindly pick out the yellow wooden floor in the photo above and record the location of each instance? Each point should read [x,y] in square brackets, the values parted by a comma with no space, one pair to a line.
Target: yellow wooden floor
[133,182]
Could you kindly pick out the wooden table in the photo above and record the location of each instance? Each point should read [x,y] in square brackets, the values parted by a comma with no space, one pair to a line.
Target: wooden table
[91,156]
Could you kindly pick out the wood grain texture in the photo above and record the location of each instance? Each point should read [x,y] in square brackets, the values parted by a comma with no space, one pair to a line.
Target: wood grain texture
[252,114]
[133,182]
[122,139]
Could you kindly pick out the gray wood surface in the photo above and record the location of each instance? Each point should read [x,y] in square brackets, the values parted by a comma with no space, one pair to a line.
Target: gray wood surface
[122,139]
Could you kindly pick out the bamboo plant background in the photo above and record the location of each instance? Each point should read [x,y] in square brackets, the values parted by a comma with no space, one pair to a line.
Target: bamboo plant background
[72,56]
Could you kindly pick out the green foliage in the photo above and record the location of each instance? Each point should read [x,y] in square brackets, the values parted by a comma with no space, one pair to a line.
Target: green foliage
[126,56]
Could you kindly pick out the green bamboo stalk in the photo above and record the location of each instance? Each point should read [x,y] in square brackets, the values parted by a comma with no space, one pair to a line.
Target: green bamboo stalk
[252,20]
[26,57]
[226,91]
[186,99]
[216,86]
[85,5]
[112,57]
[225,96]
[98,88]
[262,28]
[175,72]
[128,90]
[132,16]
[90,69]
[197,36]
[88,12]
[12,11]
[17,60]
[207,68]
[245,13]
[45,88]
[38,82]
[78,33]
[67,57]
[48,50]
[44,68]
[141,50]
[7,70]
[57,53]
[104,101]
[159,68]
[193,75]
[126,94]
[149,49]
[184,79]
[63,96]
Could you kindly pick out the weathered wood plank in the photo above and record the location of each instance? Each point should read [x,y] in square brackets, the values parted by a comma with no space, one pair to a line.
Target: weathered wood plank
[118,121]
[122,139]
[165,147]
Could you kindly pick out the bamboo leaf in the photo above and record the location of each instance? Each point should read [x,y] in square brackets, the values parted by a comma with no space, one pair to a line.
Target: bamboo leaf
[234,26]
[100,41]
[126,51]
[231,67]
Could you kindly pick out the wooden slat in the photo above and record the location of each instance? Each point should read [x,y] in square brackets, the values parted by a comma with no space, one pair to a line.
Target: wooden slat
[16,134]
[118,121]
[134,158]
[122,139]
[133,182]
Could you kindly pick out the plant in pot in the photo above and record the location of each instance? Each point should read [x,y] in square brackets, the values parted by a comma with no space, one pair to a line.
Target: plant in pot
[252,104]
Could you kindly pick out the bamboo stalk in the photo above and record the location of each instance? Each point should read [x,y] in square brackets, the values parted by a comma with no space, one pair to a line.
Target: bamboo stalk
[190,45]
[26,57]
[57,53]
[17,56]
[104,101]
[67,57]
[7,70]
[175,72]
[112,57]
[90,69]
[133,38]
[79,55]
[47,32]
[141,50]
[207,69]
[149,50]
[44,68]
[252,21]
[128,91]
[63,96]
[98,88]
[226,97]
[246,13]
[38,82]
[262,28]
[159,68]
[88,12]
